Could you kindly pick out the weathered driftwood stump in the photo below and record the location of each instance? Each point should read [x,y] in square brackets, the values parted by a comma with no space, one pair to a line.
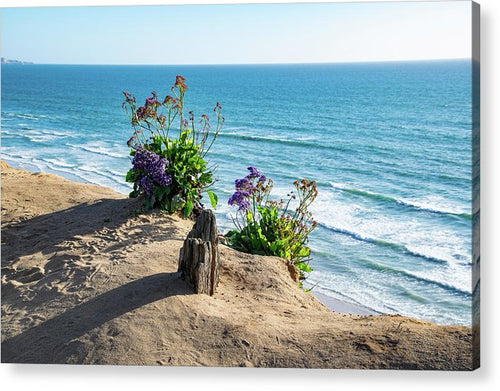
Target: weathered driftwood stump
[199,256]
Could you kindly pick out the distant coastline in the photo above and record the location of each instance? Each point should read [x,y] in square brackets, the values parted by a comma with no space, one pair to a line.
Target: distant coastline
[8,61]
[371,62]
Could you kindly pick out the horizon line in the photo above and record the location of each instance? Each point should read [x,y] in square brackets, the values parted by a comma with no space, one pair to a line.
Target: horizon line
[25,62]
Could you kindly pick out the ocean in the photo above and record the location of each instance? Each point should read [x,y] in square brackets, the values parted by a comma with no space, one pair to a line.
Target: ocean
[389,144]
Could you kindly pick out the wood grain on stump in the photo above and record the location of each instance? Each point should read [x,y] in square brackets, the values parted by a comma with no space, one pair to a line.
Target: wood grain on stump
[199,256]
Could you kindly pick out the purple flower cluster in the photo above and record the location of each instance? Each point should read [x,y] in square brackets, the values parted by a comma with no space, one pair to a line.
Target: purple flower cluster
[152,168]
[240,199]
[145,183]
[245,188]
[254,173]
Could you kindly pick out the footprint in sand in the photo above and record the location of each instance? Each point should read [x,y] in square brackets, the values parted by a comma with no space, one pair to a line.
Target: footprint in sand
[26,276]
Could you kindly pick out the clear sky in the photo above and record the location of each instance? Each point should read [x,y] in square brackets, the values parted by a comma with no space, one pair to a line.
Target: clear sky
[236,34]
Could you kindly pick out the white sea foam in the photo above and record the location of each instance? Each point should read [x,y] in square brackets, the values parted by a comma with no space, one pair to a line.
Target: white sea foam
[430,203]
[358,287]
[41,138]
[27,116]
[435,203]
[98,150]
[413,235]
[61,162]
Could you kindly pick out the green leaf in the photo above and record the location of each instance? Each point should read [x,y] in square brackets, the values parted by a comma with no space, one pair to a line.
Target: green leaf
[129,176]
[188,208]
[213,198]
[134,193]
[304,267]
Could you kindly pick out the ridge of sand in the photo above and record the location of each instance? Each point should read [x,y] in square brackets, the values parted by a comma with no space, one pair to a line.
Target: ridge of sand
[86,282]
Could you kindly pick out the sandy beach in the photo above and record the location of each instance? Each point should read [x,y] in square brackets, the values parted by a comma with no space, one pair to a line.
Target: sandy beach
[85,280]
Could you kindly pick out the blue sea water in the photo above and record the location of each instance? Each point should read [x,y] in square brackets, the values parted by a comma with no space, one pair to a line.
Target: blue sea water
[388,143]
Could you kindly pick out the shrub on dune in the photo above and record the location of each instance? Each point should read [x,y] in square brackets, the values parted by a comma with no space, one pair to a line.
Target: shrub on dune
[169,165]
[268,227]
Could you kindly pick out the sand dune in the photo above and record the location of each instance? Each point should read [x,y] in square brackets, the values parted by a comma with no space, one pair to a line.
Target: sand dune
[86,281]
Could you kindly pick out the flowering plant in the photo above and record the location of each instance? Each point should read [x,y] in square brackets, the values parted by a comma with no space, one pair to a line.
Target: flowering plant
[171,171]
[268,227]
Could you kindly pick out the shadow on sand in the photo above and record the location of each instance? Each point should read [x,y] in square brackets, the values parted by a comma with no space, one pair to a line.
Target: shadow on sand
[51,232]
[49,342]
